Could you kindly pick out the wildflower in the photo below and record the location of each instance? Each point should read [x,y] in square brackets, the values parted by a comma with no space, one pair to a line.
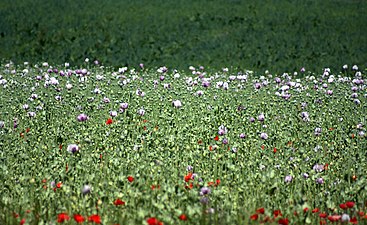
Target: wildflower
[254,217]
[177,104]
[109,121]
[261,118]
[79,218]
[31,114]
[322,215]
[216,138]
[316,210]
[288,179]
[124,105]
[130,179]
[188,177]
[242,135]
[345,218]
[343,206]
[62,217]
[118,202]
[350,204]
[204,200]
[205,191]
[183,217]
[189,168]
[95,218]
[222,130]
[277,213]
[318,131]
[82,117]
[264,136]
[320,180]
[86,189]
[284,221]
[225,141]
[318,168]
[22,222]
[141,112]
[334,218]
[153,221]
[260,210]
[73,148]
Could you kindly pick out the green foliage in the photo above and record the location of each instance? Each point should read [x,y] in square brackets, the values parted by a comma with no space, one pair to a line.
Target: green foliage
[156,148]
[275,35]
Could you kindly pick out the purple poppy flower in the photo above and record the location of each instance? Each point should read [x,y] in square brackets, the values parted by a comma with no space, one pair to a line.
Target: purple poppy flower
[261,117]
[357,101]
[242,135]
[73,148]
[205,83]
[277,80]
[305,175]
[252,119]
[205,191]
[86,189]
[177,104]
[161,78]
[141,112]
[257,85]
[82,117]
[124,105]
[318,168]
[318,131]
[113,113]
[354,95]
[2,124]
[31,114]
[320,180]
[225,141]
[204,200]
[354,88]
[329,92]
[189,168]
[264,136]
[288,179]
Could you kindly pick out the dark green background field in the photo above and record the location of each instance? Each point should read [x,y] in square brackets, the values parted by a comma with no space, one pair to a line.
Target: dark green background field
[276,35]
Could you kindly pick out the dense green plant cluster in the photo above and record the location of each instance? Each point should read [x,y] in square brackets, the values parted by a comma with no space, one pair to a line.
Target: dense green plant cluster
[134,146]
[275,35]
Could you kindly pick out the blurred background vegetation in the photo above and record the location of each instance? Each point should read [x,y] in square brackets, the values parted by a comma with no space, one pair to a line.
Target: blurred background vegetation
[256,34]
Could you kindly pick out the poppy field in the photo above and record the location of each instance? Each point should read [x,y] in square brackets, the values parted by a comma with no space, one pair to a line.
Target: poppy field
[98,145]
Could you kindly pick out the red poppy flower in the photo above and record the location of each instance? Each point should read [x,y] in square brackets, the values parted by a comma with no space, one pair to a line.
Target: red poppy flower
[200,142]
[353,220]
[190,186]
[305,210]
[44,180]
[352,135]
[15,215]
[210,148]
[334,218]
[79,218]
[58,185]
[216,138]
[22,222]
[28,211]
[277,213]
[315,210]
[109,121]
[254,217]
[284,221]
[275,150]
[322,215]
[130,179]
[262,147]
[27,130]
[95,218]
[60,146]
[260,210]
[188,177]
[350,204]
[323,222]
[118,202]
[211,183]
[153,221]
[217,182]
[343,206]
[360,213]
[183,217]
[62,217]
[155,186]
